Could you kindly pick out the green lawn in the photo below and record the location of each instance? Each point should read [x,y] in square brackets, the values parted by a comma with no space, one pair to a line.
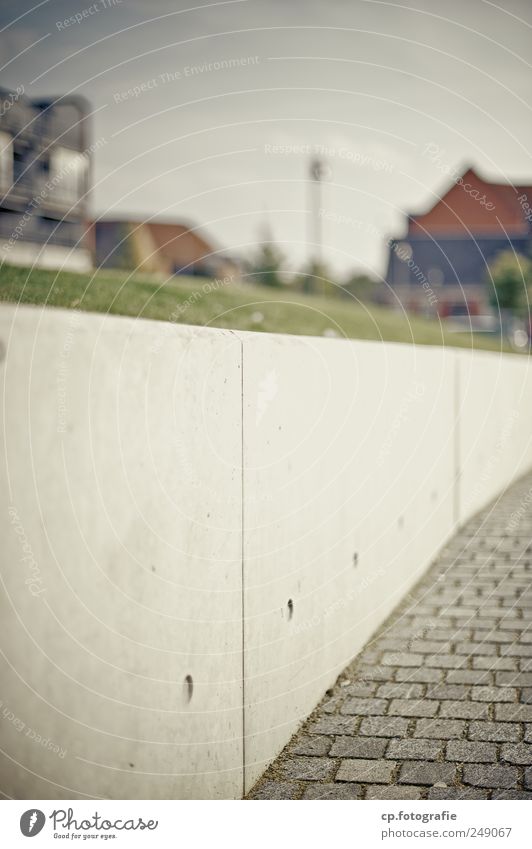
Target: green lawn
[193,301]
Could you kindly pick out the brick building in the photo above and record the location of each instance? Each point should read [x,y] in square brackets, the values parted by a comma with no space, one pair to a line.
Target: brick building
[441,264]
[165,247]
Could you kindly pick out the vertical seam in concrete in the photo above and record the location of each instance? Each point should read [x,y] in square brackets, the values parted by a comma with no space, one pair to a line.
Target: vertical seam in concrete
[242,580]
[456,404]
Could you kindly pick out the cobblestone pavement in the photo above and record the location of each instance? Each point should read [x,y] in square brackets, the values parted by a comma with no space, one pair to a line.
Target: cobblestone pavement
[438,705]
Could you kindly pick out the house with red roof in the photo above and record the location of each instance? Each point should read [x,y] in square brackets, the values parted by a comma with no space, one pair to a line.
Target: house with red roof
[166,248]
[440,265]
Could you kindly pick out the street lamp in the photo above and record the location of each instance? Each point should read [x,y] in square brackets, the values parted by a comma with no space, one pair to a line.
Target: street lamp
[317,172]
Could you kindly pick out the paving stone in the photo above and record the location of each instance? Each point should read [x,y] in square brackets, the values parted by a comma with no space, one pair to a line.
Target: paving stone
[511,624]
[509,590]
[400,691]
[495,636]
[401,659]
[448,597]
[511,794]
[366,771]
[384,726]
[335,725]
[448,635]
[374,673]
[464,710]
[422,675]
[494,694]
[443,696]
[482,625]
[370,656]
[520,753]
[308,769]
[364,707]
[513,713]
[381,791]
[419,772]
[448,661]
[331,705]
[359,747]
[315,745]
[413,627]
[429,647]
[494,663]
[498,776]
[415,749]
[394,643]
[496,732]
[513,679]
[516,650]
[408,628]
[430,611]
[468,676]
[275,790]
[333,791]
[456,793]
[362,689]
[440,729]
[476,649]
[412,707]
[464,751]
[489,612]
[447,691]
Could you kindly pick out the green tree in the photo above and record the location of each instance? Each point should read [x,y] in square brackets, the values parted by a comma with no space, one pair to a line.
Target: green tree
[363,287]
[316,279]
[266,265]
[123,256]
[510,275]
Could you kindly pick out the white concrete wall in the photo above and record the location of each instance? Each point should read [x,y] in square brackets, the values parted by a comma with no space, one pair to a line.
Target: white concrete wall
[138,549]
[121,469]
[348,455]
[495,428]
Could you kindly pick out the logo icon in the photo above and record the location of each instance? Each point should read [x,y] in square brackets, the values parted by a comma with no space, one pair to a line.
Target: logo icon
[32,822]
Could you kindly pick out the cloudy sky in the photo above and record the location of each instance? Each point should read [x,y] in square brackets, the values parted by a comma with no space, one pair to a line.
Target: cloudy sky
[237,96]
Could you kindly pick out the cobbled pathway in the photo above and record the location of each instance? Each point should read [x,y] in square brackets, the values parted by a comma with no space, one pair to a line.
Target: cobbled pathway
[438,705]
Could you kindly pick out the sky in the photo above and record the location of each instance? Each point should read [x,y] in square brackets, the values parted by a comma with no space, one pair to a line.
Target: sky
[210,113]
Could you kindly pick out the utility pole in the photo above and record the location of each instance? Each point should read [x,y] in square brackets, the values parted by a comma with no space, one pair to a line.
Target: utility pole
[316,174]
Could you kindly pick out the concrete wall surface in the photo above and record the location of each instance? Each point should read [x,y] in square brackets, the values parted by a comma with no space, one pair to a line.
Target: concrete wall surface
[121,460]
[200,529]
[494,426]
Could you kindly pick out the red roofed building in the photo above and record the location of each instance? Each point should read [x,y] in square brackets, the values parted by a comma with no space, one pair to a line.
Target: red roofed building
[161,247]
[441,264]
